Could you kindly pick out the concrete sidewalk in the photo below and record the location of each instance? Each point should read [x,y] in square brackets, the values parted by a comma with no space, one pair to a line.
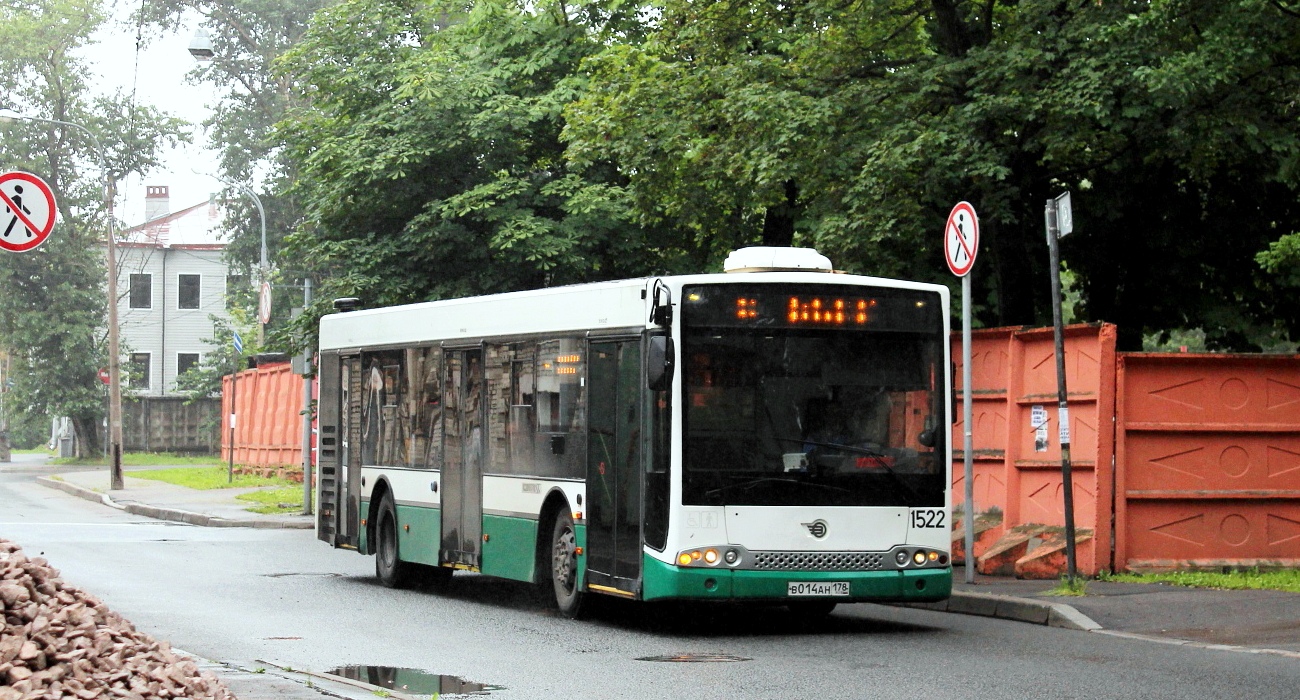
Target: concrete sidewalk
[1251,621]
[164,501]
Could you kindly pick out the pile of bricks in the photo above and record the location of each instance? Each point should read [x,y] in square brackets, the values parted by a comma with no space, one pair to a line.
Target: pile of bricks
[59,642]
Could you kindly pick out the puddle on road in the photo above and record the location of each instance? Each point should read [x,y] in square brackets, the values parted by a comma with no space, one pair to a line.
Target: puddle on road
[413,681]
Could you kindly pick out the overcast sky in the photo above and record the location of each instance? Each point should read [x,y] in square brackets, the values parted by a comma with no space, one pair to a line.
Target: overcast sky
[160,82]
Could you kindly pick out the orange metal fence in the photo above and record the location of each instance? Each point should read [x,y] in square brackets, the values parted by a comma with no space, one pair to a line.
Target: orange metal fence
[1017,465]
[268,425]
[1210,461]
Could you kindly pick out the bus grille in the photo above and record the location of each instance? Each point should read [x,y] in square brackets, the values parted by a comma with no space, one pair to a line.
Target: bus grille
[819,561]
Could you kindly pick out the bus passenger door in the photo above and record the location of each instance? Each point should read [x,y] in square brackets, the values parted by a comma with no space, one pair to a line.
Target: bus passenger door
[614,466]
[464,443]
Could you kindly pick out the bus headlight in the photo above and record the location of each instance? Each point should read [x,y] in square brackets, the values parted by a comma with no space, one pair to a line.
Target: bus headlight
[731,555]
[918,558]
[900,557]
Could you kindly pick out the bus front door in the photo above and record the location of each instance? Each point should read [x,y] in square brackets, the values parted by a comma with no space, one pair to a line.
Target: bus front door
[463,448]
[614,467]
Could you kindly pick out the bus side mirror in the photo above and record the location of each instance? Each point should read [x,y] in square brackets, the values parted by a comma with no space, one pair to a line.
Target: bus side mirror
[659,363]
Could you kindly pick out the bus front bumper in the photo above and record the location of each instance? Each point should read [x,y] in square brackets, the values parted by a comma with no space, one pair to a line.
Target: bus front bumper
[666,581]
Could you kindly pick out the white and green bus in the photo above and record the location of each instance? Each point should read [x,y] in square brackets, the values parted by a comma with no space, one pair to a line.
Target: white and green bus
[775,433]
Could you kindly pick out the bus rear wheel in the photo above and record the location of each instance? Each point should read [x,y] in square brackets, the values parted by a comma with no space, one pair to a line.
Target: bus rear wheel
[389,567]
[564,566]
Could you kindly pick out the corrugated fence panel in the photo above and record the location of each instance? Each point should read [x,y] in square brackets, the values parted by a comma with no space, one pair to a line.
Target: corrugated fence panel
[1017,466]
[1210,461]
[268,424]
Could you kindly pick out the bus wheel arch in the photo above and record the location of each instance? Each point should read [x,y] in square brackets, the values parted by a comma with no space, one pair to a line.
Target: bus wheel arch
[389,567]
[381,489]
[559,568]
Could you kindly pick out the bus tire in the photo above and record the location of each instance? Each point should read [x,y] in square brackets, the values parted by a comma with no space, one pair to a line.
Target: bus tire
[564,566]
[389,567]
[812,609]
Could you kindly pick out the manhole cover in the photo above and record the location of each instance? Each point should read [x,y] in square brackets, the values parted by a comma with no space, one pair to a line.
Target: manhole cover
[695,658]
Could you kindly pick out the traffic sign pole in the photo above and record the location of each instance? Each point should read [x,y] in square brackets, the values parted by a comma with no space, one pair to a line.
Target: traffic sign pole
[961,235]
[1062,396]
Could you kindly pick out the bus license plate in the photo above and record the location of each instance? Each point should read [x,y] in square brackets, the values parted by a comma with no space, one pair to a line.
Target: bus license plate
[817,588]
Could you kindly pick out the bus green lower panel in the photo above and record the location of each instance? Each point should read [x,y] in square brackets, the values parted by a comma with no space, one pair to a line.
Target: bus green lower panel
[509,545]
[663,581]
[363,542]
[419,534]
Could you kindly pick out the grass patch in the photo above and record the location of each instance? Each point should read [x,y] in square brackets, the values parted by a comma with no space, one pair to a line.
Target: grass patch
[1249,579]
[144,459]
[1076,589]
[204,478]
[33,451]
[287,499]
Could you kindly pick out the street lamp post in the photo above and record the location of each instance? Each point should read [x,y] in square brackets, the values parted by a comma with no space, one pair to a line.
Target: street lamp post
[114,364]
[262,264]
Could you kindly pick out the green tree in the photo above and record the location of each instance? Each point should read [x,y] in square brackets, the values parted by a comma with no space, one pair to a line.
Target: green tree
[855,126]
[54,323]
[247,37]
[430,157]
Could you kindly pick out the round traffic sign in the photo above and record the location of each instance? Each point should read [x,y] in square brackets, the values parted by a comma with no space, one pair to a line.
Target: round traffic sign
[961,239]
[28,211]
[264,304]
[103,375]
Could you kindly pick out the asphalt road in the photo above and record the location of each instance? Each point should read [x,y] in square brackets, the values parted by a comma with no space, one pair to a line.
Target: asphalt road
[244,595]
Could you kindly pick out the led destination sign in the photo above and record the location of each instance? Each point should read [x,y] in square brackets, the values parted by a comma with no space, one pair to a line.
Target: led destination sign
[809,306]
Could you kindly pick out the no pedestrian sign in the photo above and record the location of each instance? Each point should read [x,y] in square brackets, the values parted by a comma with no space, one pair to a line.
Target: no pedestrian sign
[28,211]
[961,239]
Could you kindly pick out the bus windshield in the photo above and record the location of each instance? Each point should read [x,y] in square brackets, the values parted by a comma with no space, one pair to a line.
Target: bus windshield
[784,410]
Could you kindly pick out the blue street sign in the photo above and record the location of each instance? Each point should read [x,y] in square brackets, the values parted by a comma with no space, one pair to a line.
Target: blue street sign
[239,342]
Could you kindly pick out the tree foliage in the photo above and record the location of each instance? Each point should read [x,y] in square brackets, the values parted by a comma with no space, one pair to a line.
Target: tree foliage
[53,324]
[247,37]
[430,156]
[1173,122]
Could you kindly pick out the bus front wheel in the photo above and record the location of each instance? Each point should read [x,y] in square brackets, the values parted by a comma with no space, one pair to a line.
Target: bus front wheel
[389,567]
[564,566]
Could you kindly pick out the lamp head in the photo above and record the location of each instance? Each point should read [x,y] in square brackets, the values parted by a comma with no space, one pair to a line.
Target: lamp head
[8,116]
[201,46]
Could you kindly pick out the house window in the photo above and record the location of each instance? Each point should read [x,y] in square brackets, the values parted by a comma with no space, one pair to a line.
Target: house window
[186,361]
[188,295]
[139,370]
[142,291]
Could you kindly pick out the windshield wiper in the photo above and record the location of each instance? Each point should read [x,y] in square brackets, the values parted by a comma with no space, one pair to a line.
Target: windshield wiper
[762,480]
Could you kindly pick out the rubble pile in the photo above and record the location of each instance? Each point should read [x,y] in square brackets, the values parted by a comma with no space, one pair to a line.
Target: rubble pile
[59,642]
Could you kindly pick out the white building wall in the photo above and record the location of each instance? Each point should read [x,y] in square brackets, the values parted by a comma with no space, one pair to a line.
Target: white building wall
[165,330]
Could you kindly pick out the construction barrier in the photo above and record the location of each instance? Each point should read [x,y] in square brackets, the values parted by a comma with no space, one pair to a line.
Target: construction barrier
[1210,456]
[268,416]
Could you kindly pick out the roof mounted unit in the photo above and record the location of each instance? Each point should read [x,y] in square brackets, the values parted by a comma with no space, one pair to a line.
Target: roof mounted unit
[768,259]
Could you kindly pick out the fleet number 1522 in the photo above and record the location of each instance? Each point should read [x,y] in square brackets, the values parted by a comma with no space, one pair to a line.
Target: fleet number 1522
[924,518]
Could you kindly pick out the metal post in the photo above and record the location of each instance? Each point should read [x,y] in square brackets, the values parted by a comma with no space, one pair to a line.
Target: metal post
[234,384]
[1062,396]
[306,410]
[968,446]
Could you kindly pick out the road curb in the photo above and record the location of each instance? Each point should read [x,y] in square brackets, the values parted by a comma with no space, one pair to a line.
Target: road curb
[170,514]
[1005,607]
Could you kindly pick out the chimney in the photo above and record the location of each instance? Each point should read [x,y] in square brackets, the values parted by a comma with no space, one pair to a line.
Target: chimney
[157,202]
